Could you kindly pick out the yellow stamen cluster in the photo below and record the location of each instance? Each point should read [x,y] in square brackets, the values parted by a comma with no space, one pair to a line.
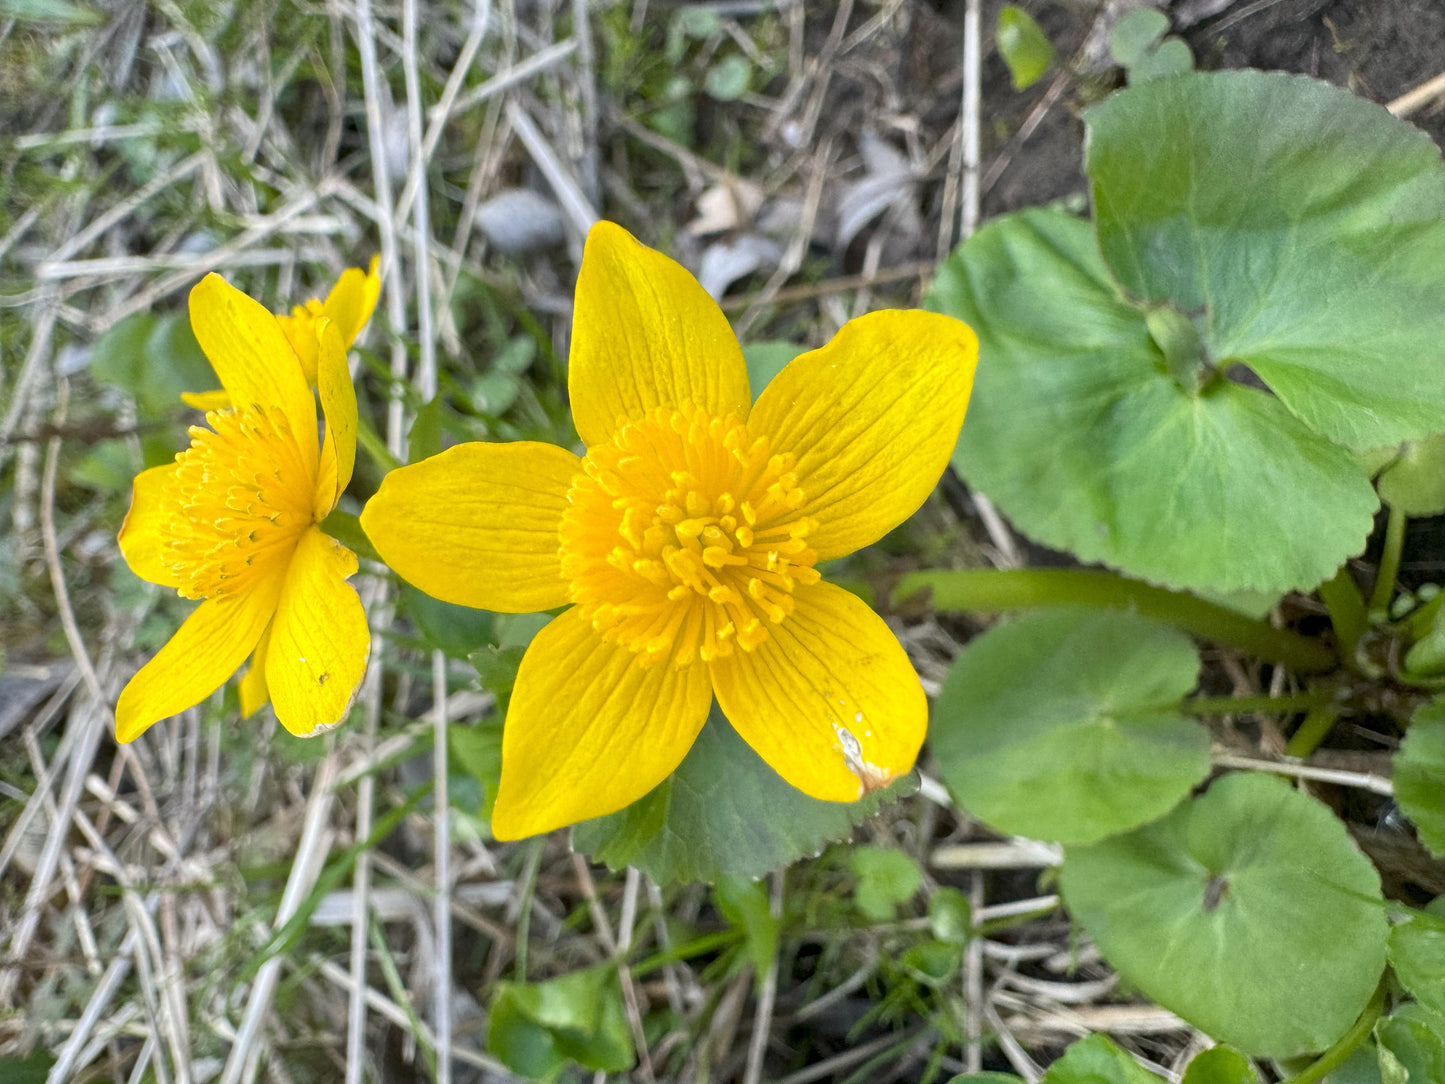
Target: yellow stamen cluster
[240,499]
[682,537]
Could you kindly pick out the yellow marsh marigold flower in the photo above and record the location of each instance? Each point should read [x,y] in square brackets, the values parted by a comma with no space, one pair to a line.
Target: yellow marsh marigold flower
[233,522]
[686,540]
[348,306]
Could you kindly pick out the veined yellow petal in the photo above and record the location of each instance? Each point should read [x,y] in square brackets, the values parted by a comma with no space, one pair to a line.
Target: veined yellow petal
[338,405]
[477,525]
[589,730]
[353,299]
[206,650]
[829,699]
[252,686]
[319,642]
[142,533]
[872,418]
[253,358]
[207,401]
[645,334]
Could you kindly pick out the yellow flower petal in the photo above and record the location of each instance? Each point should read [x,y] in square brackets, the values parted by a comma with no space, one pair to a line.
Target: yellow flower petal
[589,730]
[256,364]
[829,700]
[645,334]
[207,401]
[353,299]
[338,405]
[477,524]
[142,533]
[319,643]
[252,686]
[206,650]
[872,418]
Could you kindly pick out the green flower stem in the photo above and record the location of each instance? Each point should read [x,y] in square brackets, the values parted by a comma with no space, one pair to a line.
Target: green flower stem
[1318,722]
[1236,705]
[1347,610]
[531,864]
[1384,589]
[1345,1045]
[990,591]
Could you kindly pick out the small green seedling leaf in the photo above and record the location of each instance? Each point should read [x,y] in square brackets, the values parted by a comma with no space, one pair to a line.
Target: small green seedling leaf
[1420,775]
[932,963]
[1411,478]
[1063,724]
[950,918]
[728,79]
[1136,35]
[886,879]
[1097,1060]
[722,812]
[1417,953]
[535,1029]
[1024,46]
[744,903]
[1171,57]
[496,669]
[1220,1065]
[1251,879]
[1415,1037]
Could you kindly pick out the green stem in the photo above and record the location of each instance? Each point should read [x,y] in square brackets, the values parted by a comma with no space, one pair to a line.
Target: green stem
[1342,599]
[990,591]
[1235,705]
[1384,589]
[531,864]
[696,947]
[1345,1045]
[1318,722]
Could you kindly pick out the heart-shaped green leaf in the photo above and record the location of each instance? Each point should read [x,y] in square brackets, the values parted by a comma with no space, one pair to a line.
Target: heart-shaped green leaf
[1248,911]
[1083,436]
[723,812]
[1063,724]
[1300,226]
[1220,1065]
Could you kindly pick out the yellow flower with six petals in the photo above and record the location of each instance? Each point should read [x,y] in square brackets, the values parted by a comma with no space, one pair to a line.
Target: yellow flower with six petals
[234,520]
[348,306]
[686,540]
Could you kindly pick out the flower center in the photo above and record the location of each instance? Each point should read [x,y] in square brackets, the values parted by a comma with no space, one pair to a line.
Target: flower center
[240,499]
[682,537]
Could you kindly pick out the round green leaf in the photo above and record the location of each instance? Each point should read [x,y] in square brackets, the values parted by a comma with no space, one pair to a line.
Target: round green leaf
[1220,1065]
[1248,911]
[1239,198]
[1079,433]
[1062,724]
[723,812]
[886,878]
[1417,953]
[1136,35]
[1097,1060]
[1420,775]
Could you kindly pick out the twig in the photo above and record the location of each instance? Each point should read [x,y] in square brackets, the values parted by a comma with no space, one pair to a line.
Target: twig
[580,213]
[1362,780]
[1418,97]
